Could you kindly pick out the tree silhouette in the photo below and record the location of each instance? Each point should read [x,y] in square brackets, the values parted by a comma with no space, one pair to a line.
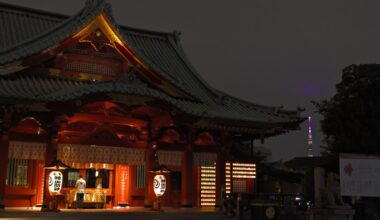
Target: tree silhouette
[351,119]
[351,123]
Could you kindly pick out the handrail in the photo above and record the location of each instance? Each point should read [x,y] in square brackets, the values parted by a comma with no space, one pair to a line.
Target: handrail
[235,204]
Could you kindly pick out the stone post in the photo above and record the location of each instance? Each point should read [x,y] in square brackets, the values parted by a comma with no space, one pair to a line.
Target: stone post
[319,185]
[239,207]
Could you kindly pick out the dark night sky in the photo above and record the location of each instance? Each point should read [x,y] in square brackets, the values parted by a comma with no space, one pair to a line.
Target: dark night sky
[268,52]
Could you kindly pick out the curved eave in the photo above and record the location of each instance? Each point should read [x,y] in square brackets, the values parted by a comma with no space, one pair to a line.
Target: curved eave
[224,98]
[44,89]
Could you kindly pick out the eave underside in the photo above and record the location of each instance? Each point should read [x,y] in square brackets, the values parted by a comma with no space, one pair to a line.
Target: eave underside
[22,92]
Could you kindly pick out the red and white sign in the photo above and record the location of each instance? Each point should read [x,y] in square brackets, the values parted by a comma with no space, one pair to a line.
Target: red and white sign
[359,175]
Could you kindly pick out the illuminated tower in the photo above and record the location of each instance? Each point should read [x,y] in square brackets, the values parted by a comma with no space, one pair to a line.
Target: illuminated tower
[309,139]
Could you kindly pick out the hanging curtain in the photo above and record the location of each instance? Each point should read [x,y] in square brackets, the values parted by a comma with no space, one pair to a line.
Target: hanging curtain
[26,150]
[170,157]
[69,153]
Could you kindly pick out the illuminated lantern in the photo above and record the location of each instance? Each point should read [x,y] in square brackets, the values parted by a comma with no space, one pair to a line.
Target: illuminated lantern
[159,182]
[55,182]
[159,185]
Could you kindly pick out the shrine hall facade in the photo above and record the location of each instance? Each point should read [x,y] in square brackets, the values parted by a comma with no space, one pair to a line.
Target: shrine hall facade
[113,102]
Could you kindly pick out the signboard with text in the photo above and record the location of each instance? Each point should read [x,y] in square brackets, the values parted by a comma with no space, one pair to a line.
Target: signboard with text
[359,175]
[123,187]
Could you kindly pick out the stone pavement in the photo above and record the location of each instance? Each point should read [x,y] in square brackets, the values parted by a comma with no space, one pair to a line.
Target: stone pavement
[133,213]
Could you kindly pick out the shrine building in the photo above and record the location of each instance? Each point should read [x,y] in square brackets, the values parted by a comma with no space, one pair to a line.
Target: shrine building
[113,103]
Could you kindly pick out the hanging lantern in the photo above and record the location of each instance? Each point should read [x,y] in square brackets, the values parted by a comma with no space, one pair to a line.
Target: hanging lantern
[55,176]
[159,185]
[55,182]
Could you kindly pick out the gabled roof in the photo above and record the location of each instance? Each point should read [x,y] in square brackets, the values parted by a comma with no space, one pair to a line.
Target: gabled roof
[24,32]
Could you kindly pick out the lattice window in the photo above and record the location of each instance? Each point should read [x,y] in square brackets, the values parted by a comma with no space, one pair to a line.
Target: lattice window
[17,174]
[140,176]
[94,68]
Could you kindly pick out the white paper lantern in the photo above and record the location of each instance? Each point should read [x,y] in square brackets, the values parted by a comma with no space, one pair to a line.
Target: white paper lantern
[159,185]
[55,181]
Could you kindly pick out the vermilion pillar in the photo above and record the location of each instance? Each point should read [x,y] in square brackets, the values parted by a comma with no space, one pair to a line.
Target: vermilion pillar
[187,175]
[220,177]
[4,147]
[50,156]
[38,181]
[187,179]
[226,144]
[149,160]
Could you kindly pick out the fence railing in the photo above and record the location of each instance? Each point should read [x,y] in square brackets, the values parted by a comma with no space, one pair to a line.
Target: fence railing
[242,206]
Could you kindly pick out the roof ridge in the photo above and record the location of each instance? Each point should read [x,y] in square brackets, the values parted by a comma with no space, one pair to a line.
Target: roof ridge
[145,31]
[20,8]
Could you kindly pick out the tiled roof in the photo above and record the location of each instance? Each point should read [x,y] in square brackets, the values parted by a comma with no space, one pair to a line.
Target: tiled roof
[161,53]
[35,87]
[28,31]
[48,89]
[26,41]
[32,23]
